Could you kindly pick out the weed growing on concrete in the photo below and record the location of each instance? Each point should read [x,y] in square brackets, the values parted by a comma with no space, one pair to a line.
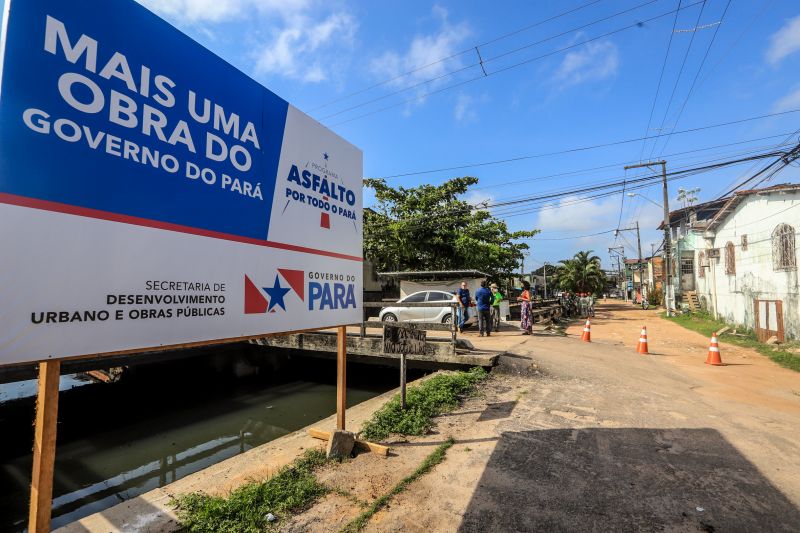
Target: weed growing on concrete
[436,457]
[705,324]
[293,489]
[437,395]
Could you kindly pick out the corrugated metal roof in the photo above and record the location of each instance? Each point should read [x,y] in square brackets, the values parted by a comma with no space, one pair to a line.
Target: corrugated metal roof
[739,196]
[429,273]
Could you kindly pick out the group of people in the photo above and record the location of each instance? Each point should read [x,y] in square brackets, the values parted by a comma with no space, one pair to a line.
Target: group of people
[487,301]
[577,305]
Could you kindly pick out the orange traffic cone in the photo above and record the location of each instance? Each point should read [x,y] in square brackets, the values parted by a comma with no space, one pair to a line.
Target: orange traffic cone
[587,332]
[642,346]
[713,352]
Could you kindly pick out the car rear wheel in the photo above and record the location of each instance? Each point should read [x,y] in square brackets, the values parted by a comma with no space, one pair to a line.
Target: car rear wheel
[389,317]
[447,319]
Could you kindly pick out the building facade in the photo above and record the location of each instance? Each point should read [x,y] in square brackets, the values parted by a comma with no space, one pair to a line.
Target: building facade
[745,262]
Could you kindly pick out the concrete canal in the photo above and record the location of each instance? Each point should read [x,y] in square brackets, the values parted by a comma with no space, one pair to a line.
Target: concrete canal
[164,421]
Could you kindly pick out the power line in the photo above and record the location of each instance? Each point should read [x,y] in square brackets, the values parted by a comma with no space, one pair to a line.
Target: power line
[597,189]
[622,163]
[630,180]
[481,63]
[660,77]
[697,74]
[457,54]
[587,148]
[678,78]
[510,67]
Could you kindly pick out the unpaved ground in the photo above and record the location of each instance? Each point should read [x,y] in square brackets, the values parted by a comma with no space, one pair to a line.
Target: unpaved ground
[570,436]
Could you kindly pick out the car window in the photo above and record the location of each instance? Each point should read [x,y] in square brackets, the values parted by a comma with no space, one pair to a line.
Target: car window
[436,296]
[418,297]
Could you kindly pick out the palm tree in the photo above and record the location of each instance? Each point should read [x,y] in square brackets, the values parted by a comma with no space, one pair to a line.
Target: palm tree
[581,273]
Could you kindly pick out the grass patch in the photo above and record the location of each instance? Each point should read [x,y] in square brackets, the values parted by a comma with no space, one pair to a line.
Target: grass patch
[437,395]
[293,489]
[705,324]
[436,457]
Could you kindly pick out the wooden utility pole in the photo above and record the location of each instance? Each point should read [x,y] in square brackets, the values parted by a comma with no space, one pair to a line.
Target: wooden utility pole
[668,296]
[44,447]
[341,376]
[639,266]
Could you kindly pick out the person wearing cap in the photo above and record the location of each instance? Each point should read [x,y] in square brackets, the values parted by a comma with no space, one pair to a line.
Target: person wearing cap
[498,297]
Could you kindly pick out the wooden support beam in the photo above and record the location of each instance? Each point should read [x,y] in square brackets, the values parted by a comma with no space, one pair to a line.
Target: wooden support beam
[341,377]
[44,447]
[379,449]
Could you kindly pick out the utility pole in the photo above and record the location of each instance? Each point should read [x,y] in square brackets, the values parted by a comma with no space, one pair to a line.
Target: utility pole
[668,293]
[544,267]
[639,266]
[619,253]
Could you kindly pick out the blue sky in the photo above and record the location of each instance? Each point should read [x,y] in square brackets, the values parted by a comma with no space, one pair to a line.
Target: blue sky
[598,89]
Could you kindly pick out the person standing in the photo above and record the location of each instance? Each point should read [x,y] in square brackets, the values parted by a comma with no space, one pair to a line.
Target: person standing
[526,320]
[497,298]
[483,299]
[462,295]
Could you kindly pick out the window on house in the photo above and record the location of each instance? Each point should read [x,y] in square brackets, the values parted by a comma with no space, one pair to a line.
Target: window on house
[687,266]
[744,242]
[701,259]
[730,259]
[783,248]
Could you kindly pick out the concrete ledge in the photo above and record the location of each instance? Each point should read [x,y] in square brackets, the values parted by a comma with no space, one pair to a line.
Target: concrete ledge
[151,512]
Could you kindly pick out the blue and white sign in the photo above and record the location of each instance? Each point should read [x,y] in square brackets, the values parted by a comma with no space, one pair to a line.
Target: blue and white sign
[151,194]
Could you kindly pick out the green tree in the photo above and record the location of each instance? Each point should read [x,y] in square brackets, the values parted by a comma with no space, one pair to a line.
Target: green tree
[430,227]
[582,273]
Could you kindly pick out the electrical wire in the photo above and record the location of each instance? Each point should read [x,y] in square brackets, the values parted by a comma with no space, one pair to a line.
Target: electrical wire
[424,219]
[660,78]
[678,78]
[586,148]
[421,96]
[697,75]
[482,62]
[453,56]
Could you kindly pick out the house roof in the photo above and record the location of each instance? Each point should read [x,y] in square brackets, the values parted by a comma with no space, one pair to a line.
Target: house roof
[704,211]
[739,196]
[411,274]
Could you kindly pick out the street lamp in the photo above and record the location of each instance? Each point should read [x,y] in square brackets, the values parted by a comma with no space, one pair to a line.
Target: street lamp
[632,194]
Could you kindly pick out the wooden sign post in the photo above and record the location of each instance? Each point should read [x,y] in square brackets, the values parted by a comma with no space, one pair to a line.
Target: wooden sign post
[44,447]
[404,339]
[341,376]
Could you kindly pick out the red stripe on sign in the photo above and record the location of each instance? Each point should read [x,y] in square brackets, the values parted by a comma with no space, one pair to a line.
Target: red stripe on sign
[46,205]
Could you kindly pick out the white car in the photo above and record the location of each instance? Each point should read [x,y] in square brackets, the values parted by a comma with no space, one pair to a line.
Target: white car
[442,314]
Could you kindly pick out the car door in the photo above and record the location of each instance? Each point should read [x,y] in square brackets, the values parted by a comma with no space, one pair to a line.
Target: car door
[413,314]
[435,314]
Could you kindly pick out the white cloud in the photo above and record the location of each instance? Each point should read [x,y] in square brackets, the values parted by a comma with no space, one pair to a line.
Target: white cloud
[593,61]
[572,214]
[299,44]
[789,101]
[478,198]
[294,51]
[424,50]
[785,41]
[221,10]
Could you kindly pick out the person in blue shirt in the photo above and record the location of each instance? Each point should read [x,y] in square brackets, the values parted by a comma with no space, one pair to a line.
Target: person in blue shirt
[463,297]
[484,299]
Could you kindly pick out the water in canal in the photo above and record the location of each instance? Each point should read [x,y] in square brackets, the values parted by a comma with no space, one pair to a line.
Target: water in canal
[162,422]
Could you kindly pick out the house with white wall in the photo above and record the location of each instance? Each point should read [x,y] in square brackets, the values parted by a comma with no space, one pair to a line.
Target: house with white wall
[746,267]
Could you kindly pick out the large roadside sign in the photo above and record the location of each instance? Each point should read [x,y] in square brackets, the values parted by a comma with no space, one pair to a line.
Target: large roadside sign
[153,195]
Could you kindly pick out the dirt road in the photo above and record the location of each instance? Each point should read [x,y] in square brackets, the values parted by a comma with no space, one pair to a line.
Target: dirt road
[571,436]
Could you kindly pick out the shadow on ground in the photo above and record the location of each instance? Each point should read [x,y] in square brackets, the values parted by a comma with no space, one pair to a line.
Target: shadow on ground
[624,480]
